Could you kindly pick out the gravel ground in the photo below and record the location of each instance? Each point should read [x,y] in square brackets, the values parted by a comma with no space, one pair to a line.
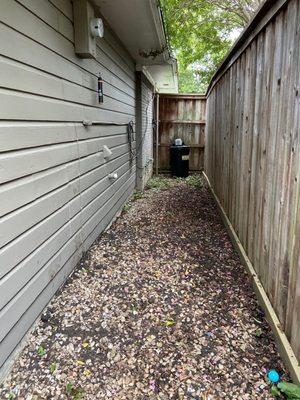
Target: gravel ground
[159,308]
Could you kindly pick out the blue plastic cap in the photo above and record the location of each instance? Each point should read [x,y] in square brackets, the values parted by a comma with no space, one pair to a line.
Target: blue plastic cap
[273,376]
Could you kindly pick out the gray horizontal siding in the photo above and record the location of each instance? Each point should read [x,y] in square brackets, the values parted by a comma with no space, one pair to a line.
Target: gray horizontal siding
[147,116]
[23,324]
[55,195]
[28,39]
[144,131]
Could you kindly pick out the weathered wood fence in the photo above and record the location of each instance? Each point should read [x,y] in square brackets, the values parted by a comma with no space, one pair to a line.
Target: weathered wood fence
[181,116]
[253,152]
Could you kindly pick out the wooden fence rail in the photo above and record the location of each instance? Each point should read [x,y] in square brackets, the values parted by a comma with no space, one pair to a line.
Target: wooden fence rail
[181,116]
[253,152]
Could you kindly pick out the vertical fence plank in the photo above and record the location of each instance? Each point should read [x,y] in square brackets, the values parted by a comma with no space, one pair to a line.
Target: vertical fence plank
[252,154]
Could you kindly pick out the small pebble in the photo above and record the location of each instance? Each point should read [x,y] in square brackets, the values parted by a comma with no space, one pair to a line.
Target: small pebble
[169,258]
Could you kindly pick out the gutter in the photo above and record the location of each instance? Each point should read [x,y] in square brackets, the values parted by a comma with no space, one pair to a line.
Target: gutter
[161,31]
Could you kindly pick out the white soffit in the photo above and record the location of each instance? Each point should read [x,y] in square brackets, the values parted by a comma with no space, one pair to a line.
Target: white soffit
[139,26]
[165,77]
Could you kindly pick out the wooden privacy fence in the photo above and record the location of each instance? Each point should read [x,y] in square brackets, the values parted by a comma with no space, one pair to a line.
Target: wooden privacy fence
[181,116]
[253,152]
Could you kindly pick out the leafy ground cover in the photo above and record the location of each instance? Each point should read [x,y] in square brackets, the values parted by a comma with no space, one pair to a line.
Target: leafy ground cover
[159,308]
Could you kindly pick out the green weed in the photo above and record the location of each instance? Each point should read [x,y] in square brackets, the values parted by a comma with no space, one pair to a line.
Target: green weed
[41,351]
[195,181]
[127,207]
[74,393]
[159,183]
[137,195]
[53,368]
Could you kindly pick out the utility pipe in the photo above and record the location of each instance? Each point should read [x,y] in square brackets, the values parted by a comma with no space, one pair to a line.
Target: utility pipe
[157,131]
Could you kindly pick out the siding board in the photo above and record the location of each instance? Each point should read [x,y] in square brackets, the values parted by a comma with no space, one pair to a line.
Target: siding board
[48,13]
[22,219]
[113,42]
[76,234]
[26,79]
[24,244]
[65,7]
[17,46]
[14,136]
[92,203]
[24,323]
[55,194]
[20,106]
[145,100]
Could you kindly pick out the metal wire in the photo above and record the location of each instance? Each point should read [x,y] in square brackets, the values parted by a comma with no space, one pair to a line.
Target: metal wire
[130,130]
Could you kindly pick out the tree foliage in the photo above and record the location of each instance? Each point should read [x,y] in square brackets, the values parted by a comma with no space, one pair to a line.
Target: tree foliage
[200,34]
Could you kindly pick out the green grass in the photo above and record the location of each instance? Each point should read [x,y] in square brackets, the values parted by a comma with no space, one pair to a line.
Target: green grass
[160,183]
[163,182]
[195,181]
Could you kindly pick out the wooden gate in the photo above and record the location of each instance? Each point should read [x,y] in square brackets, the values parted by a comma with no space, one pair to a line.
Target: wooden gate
[181,116]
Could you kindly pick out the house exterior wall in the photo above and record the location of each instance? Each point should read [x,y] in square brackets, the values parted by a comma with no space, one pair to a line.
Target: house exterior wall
[145,97]
[55,194]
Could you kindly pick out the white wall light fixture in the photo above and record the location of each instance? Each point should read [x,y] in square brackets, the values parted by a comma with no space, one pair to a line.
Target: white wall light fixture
[97,28]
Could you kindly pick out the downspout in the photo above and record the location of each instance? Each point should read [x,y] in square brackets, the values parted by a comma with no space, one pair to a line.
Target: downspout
[157,131]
